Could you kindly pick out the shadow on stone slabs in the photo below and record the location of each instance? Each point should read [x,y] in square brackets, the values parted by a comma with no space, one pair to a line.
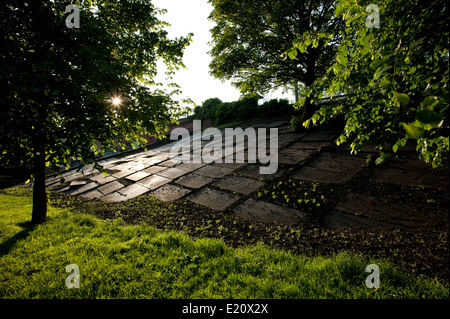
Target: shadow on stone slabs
[331,168]
[386,212]
[411,172]
[260,211]
[253,171]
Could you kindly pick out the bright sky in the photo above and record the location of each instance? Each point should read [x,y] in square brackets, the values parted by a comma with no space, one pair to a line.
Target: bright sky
[196,83]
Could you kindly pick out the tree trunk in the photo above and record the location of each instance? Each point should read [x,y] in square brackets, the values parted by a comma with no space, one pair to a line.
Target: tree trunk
[39,213]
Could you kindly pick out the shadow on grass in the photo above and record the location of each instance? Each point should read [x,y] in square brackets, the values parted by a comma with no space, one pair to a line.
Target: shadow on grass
[7,245]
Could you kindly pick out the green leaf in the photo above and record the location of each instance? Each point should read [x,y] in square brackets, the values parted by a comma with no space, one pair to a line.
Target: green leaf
[342,58]
[413,131]
[429,117]
[403,98]
[429,102]
[395,148]
[428,120]
[292,54]
[377,63]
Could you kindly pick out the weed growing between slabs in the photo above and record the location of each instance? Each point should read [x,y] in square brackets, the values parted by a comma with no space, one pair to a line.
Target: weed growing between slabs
[119,260]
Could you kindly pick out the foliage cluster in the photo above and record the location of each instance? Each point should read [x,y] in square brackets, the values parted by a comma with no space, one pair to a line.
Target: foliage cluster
[244,109]
[395,77]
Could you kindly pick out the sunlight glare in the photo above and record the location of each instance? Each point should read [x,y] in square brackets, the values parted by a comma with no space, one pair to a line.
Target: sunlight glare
[116,101]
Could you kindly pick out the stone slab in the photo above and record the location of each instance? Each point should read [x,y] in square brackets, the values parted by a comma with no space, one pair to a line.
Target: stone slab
[102,179]
[339,220]
[384,213]
[260,211]
[122,173]
[214,199]
[83,189]
[293,156]
[154,181]
[172,172]
[253,171]
[332,168]
[411,173]
[137,176]
[169,192]
[193,180]
[77,183]
[238,184]
[133,190]
[170,163]
[190,167]
[214,171]
[154,169]
[92,194]
[320,136]
[137,166]
[159,158]
[113,197]
[110,187]
[232,166]
[311,145]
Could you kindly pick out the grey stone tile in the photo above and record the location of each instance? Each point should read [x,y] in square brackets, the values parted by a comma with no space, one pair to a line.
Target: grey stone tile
[189,167]
[256,210]
[102,179]
[92,194]
[239,184]
[293,156]
[123,173]
[172,172]
[83,189]
[133,190]
[214,171]
[311,145]
[154,169]
[77,183]
[110,187]
[233,166]
[113,197]
[154,181]
[169,192]
[214,199]
[193,180]
[170,163]
[333,168]
[340,220]
[137,176]
[254,171]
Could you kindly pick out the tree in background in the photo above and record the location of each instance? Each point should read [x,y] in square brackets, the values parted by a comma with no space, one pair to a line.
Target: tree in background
[250,37]
[58,84]
[396,77]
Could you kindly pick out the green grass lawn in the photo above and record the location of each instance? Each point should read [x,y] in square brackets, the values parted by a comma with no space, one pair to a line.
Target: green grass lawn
[117,260]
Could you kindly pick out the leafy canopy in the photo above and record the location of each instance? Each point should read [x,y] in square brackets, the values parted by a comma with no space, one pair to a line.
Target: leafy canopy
[250,37]
[395,77]
[57,83]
